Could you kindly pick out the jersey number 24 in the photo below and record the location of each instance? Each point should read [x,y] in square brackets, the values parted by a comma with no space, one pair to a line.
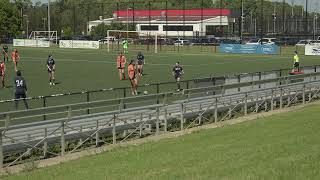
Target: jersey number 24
[19,83]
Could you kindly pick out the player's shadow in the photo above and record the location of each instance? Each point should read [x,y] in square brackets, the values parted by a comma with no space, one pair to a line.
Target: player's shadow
[9,87]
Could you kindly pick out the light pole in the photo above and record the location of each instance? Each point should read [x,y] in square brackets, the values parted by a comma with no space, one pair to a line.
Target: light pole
[28,27]
[44,23]
[307,18]
[128,22]
[274,16]
[315,17]
[49,28]
[27,24]
[242,18]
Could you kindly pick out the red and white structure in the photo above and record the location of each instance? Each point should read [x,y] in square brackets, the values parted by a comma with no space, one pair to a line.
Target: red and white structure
[191,22]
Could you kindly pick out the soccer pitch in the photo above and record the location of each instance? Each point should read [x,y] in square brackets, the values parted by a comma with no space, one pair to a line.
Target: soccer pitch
[283,146]
[80,69]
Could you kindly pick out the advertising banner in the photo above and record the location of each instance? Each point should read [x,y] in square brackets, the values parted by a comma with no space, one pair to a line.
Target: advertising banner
[248,49]
[312,50]
[30,43]
[79,44]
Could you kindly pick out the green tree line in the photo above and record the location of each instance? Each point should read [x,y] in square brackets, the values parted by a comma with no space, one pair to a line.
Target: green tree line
[71,17]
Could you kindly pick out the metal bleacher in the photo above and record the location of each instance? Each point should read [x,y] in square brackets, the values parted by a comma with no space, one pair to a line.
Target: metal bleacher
[23,133]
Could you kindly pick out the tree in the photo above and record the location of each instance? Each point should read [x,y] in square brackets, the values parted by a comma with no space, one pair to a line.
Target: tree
[67,31]
[101,30]
[10,19]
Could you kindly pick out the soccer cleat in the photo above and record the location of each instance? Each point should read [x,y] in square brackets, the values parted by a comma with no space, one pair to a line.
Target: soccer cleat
[53,84]
[50,83]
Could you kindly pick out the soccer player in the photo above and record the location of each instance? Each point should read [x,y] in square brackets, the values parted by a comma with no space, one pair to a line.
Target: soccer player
[15,58]
[125,45]
[2,72]
[121,63]
[177,72]
[51,65]
[21,90]
[5,51]
[296,61]
[132,77]
[140,61]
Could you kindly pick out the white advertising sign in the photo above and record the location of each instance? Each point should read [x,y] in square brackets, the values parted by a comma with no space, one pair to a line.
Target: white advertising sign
[79,44]
[30,43]
[312,50]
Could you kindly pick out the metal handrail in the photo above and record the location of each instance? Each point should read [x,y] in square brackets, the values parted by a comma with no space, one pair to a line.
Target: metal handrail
[119,101]
[252,83]
[146,85]
[78,106]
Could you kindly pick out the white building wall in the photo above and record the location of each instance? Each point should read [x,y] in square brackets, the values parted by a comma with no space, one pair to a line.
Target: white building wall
[216,21]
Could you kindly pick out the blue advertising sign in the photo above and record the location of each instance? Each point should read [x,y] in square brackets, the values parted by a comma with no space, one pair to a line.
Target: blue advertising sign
[248,49]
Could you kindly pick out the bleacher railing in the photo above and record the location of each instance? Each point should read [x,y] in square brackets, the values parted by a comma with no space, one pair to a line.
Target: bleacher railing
[122,92]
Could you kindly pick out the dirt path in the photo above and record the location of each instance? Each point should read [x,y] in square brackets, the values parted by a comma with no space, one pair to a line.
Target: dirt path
[153,138]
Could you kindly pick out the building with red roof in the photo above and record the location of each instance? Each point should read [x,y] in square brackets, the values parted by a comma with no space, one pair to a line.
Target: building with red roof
[189,22]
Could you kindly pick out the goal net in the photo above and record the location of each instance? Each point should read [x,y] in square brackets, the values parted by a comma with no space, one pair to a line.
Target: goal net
[137,40]
[51,36]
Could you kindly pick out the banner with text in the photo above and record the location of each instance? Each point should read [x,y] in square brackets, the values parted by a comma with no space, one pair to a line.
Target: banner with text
[248,49]
[30,43]
[79,44]
[312,49]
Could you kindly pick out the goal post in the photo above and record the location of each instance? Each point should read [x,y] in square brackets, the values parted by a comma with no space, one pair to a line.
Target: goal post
[49,35]
[140,40]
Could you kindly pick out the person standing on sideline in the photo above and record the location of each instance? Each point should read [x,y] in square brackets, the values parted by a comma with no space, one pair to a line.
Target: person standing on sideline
[15,58]
[296,62]
[121,63]
[177,72]
[125,45]
[132,77]
[3,72]
[5,50]
[140,62]
[51,65]
[21,90]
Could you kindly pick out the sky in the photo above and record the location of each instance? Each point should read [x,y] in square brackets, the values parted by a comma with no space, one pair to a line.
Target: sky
[314,5]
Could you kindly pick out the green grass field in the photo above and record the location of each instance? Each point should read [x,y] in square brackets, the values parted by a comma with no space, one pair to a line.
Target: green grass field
[284,146]
[81,69]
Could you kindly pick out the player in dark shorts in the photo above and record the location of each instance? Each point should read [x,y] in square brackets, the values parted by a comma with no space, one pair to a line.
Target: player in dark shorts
[2,73]
[121,63]
[296,62]
[51,65]
[177,72]
[5,51]
[21,90]
[140,62]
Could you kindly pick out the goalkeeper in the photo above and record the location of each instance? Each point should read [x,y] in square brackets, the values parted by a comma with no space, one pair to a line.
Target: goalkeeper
[296,62]
[125,45]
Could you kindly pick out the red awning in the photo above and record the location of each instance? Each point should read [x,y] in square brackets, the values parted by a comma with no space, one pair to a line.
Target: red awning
[173,13]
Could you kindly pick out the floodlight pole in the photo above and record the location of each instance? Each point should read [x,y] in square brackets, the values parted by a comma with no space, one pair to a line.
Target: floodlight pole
[28,28]
[261,20]
[49,28]
[241,31]
[27,23]
[314,25]
[307,23]
[108,41]
[274,18]
[128,22]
